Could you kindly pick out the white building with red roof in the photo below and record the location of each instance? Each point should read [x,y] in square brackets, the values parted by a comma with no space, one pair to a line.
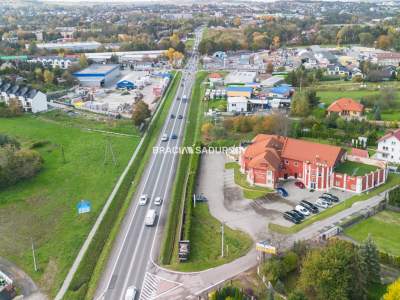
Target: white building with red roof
[271,158]
[347,108]
[389,147]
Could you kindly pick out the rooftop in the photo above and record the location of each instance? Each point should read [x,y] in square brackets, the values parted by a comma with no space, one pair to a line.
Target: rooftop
[354,168]
[97,69]
[347,104]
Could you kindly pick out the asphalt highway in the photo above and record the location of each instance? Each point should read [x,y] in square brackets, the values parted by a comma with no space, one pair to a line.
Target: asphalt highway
[131,255]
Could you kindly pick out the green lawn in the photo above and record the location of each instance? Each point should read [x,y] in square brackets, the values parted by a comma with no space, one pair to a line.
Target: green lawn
[329,96]
[44,207]
[220,105]
[249,191]
[384,228]
[354,168]
[392,181]
[205,242]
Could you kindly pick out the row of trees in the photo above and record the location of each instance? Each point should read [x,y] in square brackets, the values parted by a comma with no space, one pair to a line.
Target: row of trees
[15,163]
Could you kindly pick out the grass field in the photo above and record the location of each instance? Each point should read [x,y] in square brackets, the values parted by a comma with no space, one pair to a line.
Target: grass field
[384,228]
[44,208]
[205,250]
[392,181]
[249,191]
[354,168]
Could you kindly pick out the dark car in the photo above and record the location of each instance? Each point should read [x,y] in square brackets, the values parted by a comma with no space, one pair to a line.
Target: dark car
[172,116]
[180,117]
[297,214]
[174,136]
[299,184]
[281,191]
[333,197]
[311,207]
[178,98]
[290,218]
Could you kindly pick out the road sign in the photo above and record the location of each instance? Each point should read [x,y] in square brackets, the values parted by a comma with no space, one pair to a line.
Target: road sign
[84,206]
[265,247]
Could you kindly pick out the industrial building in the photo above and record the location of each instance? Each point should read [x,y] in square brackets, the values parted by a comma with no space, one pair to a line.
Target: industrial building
[72,46]
[98,75]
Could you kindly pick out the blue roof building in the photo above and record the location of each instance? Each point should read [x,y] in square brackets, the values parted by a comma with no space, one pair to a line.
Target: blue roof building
[98,75]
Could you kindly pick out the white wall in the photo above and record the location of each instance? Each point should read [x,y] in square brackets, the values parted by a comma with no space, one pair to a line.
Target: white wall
[389,150]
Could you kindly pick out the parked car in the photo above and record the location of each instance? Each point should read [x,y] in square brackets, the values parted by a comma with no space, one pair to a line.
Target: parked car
[299,184]
[327,199]
[302,209]
[172,116]
[143,199]
[297,214]
[311,207]
[281,191]
[321,203]
[333,197]
[290,218]
[157,201]
[164,138]
[174,136]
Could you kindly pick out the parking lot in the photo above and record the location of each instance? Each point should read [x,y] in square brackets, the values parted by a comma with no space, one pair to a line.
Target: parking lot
[227,203]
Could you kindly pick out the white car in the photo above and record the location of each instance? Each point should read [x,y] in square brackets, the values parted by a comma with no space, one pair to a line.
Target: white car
[321,203]
[302,210]
[131,293]
[143,199]
[164,138]
[157,201]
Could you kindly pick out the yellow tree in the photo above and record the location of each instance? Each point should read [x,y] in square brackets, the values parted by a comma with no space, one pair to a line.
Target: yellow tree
[237,22]
[393,291]
[174,39]
[170,54]
[383,41]
[276,42]
[83,62]
[48,76]
[177,56]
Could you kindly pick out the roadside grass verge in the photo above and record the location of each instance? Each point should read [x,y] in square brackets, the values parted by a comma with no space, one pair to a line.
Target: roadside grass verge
[205,240]
[44,207]
[249,191]
[85,281]
[384,228]
[392,181]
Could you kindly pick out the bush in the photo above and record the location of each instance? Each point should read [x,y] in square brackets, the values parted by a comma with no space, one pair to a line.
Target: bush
[394,197]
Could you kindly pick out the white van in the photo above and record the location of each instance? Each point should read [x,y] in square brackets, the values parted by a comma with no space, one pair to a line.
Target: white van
[150,217]
[131,293]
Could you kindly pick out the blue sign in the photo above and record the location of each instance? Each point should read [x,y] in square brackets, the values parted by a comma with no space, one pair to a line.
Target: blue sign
[84,206]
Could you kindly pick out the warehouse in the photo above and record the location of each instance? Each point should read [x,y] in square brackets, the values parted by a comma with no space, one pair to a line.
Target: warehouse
[98,75]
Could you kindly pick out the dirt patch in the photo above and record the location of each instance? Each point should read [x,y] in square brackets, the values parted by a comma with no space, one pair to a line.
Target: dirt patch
[48,278]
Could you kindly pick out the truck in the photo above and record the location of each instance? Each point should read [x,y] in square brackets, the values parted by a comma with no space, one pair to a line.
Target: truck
[150,217]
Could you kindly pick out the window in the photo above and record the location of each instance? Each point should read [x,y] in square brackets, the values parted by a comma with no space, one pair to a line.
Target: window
[286,162]
[295,163]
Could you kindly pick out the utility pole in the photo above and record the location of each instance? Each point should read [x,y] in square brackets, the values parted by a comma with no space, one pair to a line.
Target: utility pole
[34,257]
[194,200]
[222,239]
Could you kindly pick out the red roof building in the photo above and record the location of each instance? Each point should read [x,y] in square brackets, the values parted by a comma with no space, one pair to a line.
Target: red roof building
[270,158]
[347,108]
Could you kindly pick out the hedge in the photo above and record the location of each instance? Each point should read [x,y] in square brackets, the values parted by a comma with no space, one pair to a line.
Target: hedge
[394,197]
[80,282]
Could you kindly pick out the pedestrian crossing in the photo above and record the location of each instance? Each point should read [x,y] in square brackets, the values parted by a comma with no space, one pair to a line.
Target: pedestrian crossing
[149,288]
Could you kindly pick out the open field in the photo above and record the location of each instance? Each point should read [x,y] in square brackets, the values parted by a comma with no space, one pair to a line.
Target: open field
[354,168]
[384,228]
[44,208]
[249,191]
[392,181]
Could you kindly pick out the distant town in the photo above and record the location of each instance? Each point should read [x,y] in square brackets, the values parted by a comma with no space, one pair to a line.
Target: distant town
[200,150]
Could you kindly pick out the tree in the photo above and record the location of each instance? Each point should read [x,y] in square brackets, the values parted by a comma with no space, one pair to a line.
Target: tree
[206,130]
[393,291]
[48,76]
[237,22]
[369,261]
[270,67]
[300,105]
[377,113]
[296,296]
[383,42]
[83,62]
[140,112]
[366,39]
[276,42]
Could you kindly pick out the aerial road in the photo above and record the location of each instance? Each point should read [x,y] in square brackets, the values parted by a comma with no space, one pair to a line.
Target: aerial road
[132,254]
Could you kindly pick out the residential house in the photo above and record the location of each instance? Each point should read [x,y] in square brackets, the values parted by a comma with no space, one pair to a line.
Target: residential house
[389,147]
[347,108]
[54,61]
[30,99]
[271,158]
[337,70]
[237,104]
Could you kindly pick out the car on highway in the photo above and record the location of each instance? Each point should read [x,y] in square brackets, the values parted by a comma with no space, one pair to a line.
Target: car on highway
[150,218]
[311,207]
[143,199]
[180,117]
[281,191]
[172,116]
[299,184]
[164,138]
[157,201]
[321,203]
[174,136]
[330,196]
[301,209]
[290,218]
[178,98]
[131,293]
